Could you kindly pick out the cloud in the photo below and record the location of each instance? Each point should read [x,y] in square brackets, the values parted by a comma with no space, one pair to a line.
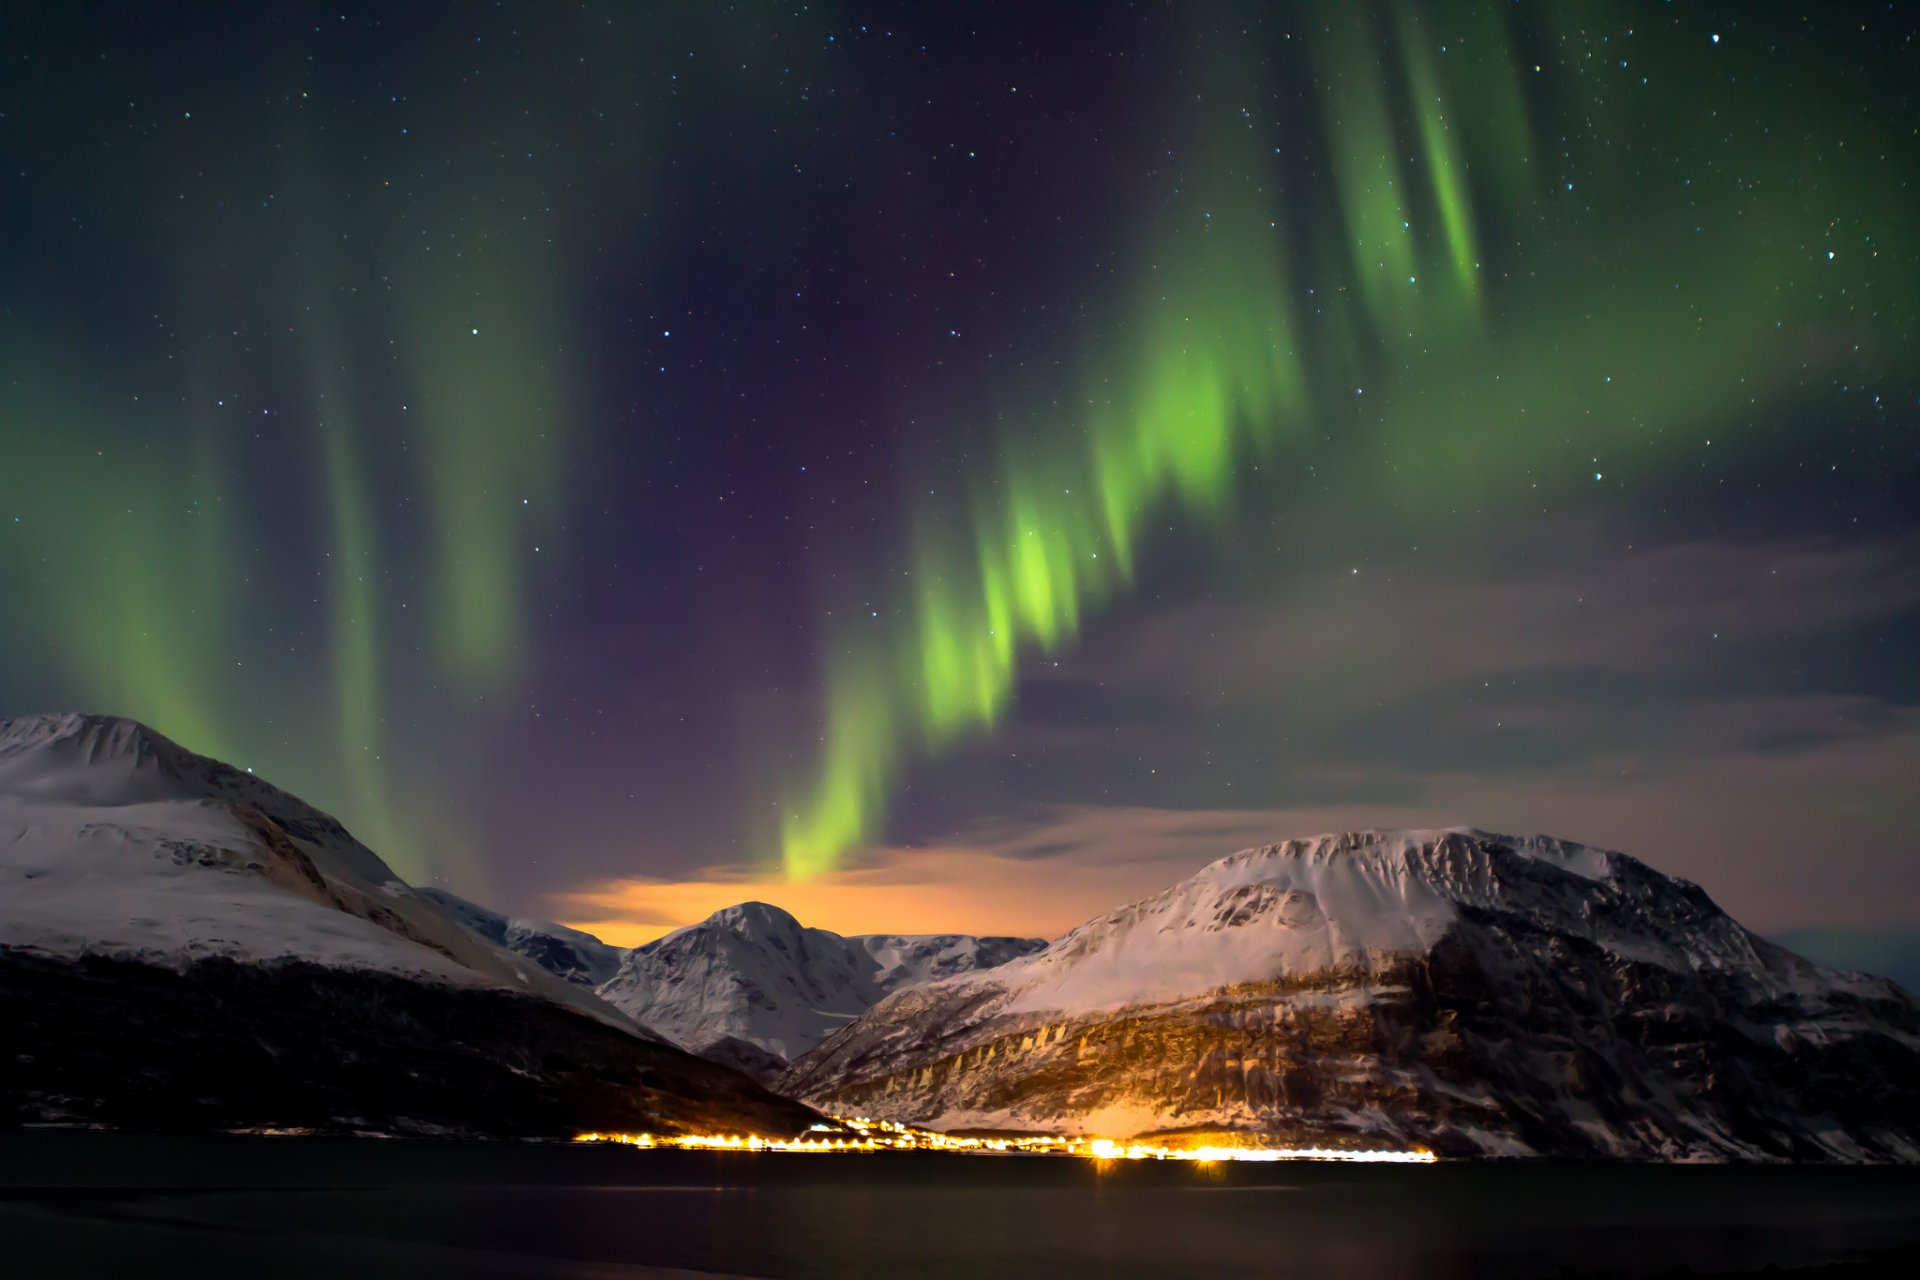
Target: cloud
[1565,651]
[1569,601]
[1763,832]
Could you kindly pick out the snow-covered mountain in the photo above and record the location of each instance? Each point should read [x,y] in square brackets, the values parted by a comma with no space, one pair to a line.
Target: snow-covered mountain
[253,927]
[578,957]
[752,986]
[119,842]
[1466,992]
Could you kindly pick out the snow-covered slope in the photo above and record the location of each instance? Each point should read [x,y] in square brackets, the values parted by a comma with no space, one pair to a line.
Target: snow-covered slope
[753,975]
[115,841]
[580,958]
[1472,992]
[183,944]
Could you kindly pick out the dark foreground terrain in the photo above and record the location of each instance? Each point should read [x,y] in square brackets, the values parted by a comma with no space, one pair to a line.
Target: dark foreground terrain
[78,1203]
[222,1045]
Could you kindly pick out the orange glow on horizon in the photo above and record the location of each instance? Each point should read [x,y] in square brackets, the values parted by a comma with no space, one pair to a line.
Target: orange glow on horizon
[1034,878]
[945,890]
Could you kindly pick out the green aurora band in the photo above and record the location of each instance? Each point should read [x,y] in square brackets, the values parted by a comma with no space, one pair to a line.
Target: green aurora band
[1487,360]
[411,327]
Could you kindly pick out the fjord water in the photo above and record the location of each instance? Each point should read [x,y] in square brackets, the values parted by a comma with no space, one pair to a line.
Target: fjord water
[88,1203]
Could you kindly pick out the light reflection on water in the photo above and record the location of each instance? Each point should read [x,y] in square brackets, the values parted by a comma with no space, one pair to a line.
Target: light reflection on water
[105,1204]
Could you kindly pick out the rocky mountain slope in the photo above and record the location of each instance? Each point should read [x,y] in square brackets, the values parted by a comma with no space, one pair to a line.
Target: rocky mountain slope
[1470,993]
[183,944]
[752,986]
[579,958]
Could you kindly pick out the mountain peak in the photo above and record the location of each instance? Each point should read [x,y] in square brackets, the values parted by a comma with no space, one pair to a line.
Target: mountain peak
[120,841]
[751,975]
[90,737]
[1437,867]
[1584,860]
[754,917]
[1459,990]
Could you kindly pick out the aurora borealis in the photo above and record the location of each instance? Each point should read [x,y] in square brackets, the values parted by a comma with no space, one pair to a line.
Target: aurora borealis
[1206,372]
[596,448]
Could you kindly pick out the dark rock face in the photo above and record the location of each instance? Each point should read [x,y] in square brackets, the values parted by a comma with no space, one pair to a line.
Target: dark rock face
[1603,1059]
[568,954]
[228,1045]
[1515,1032]
[746,1057]
[1593,1053]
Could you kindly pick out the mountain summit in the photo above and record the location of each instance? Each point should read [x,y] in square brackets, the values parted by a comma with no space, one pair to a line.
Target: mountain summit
[752,986]
[1472,993]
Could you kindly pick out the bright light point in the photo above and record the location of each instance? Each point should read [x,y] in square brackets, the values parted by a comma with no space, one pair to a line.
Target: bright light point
[476,333]
[1716,37]
[861,1134]
[1829,255]
[1597,475]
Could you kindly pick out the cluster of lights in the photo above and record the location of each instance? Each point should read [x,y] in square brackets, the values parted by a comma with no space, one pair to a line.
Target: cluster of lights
[858,1133]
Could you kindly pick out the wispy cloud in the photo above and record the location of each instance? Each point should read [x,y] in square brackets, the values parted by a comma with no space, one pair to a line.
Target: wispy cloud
[1762,831]
[1569,600]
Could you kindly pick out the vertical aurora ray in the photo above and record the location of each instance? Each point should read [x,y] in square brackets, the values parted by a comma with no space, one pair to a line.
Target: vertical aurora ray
[1445,166]
[353,537]
[480,382]
[141,635]
[356,664]
[1367,170]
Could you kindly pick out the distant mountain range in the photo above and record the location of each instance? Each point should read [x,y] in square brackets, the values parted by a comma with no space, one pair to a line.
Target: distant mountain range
[752,986]
[1470,993]
[749,986]
[185,945]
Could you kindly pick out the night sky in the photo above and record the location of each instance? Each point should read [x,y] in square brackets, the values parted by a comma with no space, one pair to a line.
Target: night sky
[945,467]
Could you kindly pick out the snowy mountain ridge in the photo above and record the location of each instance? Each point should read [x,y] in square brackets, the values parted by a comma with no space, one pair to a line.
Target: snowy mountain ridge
[116,841]
[1460,990]
[1346,899]
[752,975]
[568,953]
